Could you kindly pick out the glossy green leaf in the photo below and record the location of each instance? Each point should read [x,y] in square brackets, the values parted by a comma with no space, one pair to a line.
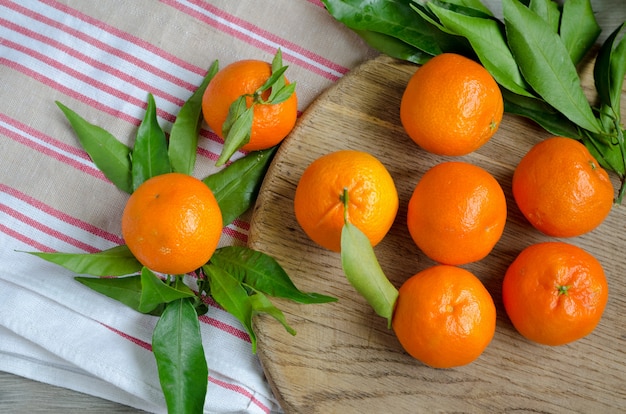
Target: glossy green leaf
[263,273]
[282,94]
[236,129]
[608,154]
[579,29]
[397,19]
[546,65]
[548,11]
[276,79]
[393,47]
[155,292]
[261,304]
[108,154]
[278,82]
[149,156]
[610,69]
[474,8]
[183,143]
[543,114]
[179,354]
[364,272]
[116,261]
[237,185]
[126,290]
[487,39]
[230,294]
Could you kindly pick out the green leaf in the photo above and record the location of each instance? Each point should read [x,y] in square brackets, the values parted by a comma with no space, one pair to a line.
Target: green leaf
[126,290]
[543,114]
[236,186]
[281,94]
[279,82]
[579,29]
[395,18]
[179,354]
[277,78]
[263,273]
[546,65]
[155,292]
[393,47]
[608,154]
[236,129]
[610,69]
[116,261]
[473,8]
[548,11]
[108,154]
[261,304]
[183,142]
[229,293]
[364,272]
[149,156]
[487,38]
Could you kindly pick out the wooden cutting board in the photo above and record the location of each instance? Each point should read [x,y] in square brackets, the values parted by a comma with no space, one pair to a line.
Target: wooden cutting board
[343,358]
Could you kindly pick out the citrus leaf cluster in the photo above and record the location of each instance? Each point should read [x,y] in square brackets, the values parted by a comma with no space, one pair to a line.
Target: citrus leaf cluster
[533,54]
[238,278]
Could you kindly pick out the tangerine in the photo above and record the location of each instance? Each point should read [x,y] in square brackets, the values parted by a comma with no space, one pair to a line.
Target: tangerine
[172,223]
[554,293]
[271,123]
[372,197]
[561,188]
[451,105]
[456,213]
[444,316]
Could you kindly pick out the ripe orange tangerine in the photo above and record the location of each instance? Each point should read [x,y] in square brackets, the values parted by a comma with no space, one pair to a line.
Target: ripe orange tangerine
[457,213]
[451,105]
[271,122]
[444,316]
[172,223]
[561,188]
[555,293]
[372,197]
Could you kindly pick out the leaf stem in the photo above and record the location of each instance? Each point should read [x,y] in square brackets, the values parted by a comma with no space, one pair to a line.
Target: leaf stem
[344,199]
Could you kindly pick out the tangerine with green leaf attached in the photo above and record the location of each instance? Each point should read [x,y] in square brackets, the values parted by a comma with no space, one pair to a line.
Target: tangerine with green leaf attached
[271,122]
[372,198]
[172,223]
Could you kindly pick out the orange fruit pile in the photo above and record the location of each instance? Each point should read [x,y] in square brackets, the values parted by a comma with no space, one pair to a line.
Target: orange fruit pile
[372,197]
[561,188]
[457,213]
[172,223]
[444,316]
[271,122]
[554,293]
[451,105]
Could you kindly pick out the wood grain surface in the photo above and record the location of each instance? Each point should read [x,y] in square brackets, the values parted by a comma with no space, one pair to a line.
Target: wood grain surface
[343,358]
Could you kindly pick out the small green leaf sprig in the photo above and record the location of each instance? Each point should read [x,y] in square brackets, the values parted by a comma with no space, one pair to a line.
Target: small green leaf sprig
[533,54]
[239,279]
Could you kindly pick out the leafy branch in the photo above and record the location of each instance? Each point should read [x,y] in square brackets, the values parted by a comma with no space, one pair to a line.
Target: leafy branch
[238,278]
